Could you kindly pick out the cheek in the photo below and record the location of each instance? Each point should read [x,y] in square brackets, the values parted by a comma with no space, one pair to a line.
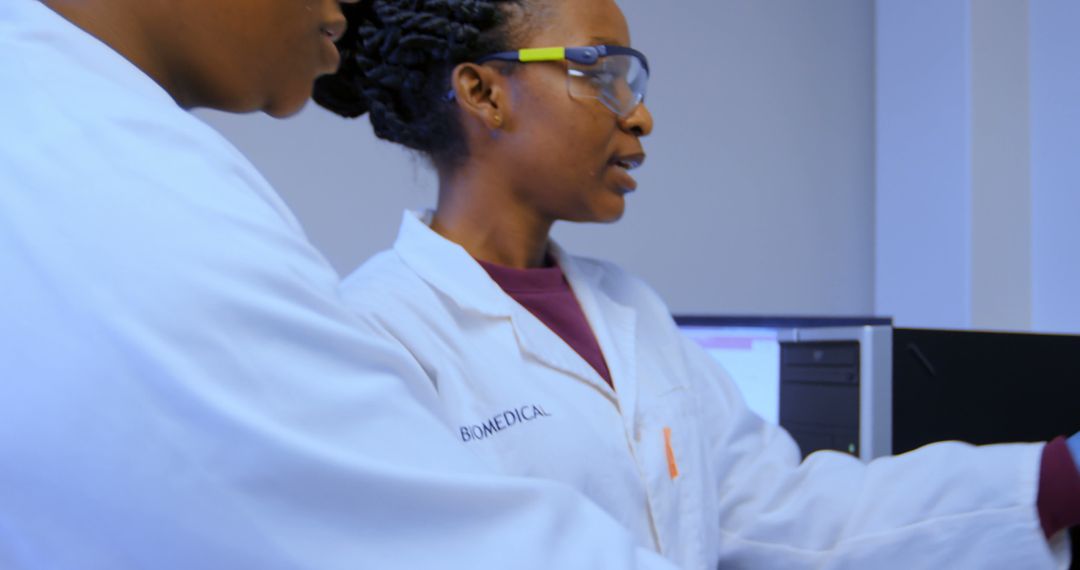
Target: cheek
[581,136]
[591,148]
[564,144]
[295,49]
[568,163]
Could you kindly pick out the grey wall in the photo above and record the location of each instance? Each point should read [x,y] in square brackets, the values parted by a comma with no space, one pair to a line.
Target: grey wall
[1055,188]
[758,195]
[977,130]
[923,130]
[1001,213]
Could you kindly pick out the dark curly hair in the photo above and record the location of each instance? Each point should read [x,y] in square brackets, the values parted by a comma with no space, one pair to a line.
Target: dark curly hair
[397,57]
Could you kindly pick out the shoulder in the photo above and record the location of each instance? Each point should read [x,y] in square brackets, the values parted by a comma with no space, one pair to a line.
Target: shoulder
[383,274]
[119,164]
[76,102]
[385,286]
[390,301]
[127,197]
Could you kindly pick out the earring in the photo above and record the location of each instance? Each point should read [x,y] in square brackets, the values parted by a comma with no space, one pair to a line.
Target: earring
[498,120]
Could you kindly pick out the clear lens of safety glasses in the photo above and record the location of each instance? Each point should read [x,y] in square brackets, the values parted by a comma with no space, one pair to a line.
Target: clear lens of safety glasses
[617,76]
[619,81]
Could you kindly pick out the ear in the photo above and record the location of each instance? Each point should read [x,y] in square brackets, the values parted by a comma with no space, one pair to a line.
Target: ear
[481,94]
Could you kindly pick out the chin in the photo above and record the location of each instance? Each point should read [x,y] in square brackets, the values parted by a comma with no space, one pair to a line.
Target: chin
[603,208]
[287,102]
[610,215]
[611,219]
[279,110]
[616,211]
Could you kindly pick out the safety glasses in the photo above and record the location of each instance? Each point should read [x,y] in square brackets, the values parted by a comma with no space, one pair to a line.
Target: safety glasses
[616,76]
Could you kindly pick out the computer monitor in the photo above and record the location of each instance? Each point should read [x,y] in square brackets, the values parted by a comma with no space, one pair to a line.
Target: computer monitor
[825,380]
[751,355]
[983,387]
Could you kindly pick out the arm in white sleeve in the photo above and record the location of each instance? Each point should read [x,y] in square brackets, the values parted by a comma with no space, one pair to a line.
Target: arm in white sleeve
[948,505]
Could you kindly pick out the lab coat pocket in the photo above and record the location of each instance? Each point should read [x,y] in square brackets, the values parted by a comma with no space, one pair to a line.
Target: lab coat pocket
[670,452]
[666,431]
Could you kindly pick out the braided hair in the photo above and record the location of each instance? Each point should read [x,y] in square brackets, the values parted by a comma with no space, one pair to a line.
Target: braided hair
[397,57]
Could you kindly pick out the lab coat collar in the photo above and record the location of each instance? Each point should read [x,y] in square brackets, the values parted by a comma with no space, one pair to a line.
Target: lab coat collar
[613,323]
[450,269]
[447,267]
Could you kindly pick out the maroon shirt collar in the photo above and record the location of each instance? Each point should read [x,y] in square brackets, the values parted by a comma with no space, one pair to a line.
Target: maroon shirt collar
[532,280]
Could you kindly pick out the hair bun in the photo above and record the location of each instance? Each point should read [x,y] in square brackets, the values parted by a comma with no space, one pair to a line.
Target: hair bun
[396,60]
[340,96]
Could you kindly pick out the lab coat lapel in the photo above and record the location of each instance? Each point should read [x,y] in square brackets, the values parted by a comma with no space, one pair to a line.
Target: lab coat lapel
[450,269]
[542,344]
[615,327]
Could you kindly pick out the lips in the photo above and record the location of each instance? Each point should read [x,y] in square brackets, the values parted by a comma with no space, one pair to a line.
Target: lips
[622,165]
[334,30]
[628,162]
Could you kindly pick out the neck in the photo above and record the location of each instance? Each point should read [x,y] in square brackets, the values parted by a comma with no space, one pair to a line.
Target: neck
[479,213]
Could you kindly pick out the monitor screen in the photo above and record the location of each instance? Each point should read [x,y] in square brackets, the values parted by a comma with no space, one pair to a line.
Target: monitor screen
[751,356]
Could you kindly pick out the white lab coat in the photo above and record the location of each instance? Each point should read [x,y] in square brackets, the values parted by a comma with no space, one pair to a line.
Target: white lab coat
[180,384]
[740,499]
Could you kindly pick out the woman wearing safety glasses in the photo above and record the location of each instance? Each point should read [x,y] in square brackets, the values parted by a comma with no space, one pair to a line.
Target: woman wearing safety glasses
[558,367]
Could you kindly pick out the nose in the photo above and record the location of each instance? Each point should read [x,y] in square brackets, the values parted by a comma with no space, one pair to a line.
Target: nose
[341,10]
[639,122]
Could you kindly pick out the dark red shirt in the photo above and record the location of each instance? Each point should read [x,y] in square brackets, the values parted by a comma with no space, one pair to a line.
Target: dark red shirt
[546,293]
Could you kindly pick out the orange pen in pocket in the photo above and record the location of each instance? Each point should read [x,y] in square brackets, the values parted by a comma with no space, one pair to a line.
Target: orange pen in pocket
[672,465]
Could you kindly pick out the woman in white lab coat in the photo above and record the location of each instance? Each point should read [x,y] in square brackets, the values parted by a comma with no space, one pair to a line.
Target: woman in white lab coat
[180,384]
[554,366]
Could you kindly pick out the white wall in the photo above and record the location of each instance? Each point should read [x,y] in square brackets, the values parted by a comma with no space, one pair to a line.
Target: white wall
[758,193]
[978,186]
[923,162]
[1055,164]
